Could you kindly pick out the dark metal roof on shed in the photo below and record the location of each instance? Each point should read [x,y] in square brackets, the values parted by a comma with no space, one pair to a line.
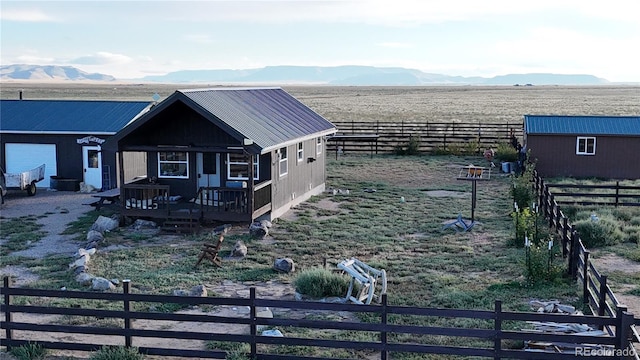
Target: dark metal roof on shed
[582,125]
[270,117]
[67,116]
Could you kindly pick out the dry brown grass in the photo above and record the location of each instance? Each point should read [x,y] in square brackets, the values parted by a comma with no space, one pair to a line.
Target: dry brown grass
[433,103]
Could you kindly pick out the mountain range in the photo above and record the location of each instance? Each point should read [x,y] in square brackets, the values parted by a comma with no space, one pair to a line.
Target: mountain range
[48,73]
[349,75]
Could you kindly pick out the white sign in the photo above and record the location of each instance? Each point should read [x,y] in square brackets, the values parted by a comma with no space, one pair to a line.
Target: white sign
[88,139]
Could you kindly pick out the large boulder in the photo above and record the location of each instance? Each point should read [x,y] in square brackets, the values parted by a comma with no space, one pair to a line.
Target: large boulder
[101,284]
[285,265]
[104,224]
[258,229]
[239,249]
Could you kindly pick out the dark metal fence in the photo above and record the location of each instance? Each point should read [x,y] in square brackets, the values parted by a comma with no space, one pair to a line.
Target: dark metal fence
[389,334]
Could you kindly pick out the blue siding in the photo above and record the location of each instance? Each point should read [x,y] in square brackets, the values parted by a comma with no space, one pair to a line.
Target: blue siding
[67,116]
[582,125]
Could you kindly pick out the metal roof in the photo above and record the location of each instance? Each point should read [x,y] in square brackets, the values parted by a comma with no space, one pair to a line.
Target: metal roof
[582,125]
[67,116]
[270,117]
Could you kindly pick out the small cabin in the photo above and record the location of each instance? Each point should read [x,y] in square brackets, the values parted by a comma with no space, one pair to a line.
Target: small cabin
[584,146]
[224,154]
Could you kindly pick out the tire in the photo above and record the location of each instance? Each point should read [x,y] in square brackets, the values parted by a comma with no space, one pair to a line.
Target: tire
[1,196]
[31,189]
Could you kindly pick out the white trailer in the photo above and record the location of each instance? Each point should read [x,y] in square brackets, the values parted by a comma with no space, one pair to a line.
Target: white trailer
[25,180]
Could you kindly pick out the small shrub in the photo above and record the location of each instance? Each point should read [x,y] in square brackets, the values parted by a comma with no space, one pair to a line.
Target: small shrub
[455,149]
[412,147]
[599,233]
[117,353]
[319,283]
[506,153]
[31,351]
[540,267]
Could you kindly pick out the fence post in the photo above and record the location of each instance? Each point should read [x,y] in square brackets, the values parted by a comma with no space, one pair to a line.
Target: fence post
[585,278]
[602,296]
[253,320]
[497,327]
[127,307]
[383,333]
[617,192]
[576,255]
[625,320]
[573,242]
[8,315]
[552,210]
[565,229]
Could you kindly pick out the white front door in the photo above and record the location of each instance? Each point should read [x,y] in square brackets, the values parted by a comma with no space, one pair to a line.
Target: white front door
[92,166]
[208,167]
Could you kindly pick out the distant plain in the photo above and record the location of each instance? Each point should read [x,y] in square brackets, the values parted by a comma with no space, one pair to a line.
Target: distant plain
[486,104]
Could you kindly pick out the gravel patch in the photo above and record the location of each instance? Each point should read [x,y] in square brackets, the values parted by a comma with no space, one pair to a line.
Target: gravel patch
[56,210]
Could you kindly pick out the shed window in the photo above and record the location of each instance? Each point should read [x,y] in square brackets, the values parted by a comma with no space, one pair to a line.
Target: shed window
[173,164]
[586,146]
[319,146]
[283,161]
[238,167]
[300,152]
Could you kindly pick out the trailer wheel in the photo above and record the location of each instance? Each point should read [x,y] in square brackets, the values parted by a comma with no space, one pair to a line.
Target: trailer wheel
[31,189]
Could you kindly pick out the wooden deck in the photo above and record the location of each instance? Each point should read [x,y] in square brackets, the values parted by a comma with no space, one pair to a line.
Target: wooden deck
[210,204]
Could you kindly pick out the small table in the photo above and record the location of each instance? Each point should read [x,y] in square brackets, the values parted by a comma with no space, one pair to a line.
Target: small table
[112,196]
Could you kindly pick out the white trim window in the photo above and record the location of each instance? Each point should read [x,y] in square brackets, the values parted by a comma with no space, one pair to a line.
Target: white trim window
[238,167]
[283,161]
[173,164]
[585,145]
[300,151]
[319,146]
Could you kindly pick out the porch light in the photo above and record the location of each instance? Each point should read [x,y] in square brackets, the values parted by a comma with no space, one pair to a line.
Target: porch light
[247,142]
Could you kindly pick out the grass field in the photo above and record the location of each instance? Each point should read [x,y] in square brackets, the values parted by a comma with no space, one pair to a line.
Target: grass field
[433,103]
[426,265]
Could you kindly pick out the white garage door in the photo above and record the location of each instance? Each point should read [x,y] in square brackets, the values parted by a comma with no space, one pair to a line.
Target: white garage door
[22,157]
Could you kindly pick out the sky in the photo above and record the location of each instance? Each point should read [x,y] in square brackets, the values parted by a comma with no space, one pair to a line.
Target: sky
[132,39]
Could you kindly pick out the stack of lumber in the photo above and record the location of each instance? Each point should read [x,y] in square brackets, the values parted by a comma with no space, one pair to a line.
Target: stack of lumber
[560,328]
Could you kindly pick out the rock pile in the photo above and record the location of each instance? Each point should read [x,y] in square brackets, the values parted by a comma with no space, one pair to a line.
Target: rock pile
[95,235]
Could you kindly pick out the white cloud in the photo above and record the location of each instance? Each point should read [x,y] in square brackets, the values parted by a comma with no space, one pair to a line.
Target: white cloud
[101,58]
[26,15]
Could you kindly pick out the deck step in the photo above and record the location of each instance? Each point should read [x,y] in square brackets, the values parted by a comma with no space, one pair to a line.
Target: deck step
[181,225]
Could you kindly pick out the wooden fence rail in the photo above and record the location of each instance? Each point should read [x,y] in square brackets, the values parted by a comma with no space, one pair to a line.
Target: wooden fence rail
[387,333]
[621,195]
[597,294]
[431,135]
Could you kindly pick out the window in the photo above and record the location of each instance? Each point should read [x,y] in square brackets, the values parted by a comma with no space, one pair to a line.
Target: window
[300,152]
[238,167]
[173,164]
[586,146]
[283,161]
[319,146]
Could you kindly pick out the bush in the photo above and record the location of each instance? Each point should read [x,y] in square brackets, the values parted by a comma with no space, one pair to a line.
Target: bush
[117,353]
[540,267]
[599,233]
[31,351]
[506,153]
[412,147]
[319,283]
